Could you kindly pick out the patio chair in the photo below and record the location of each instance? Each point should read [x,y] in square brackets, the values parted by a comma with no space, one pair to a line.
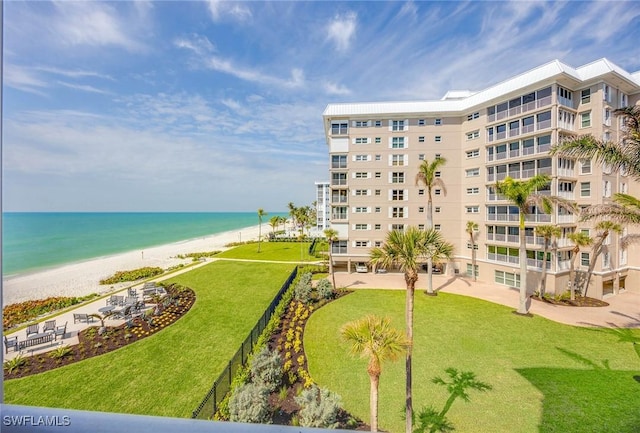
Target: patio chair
[60,331]
[32,329]
[130,300]
[132,293]
[10,342]
[80,317]
[49,325]
[123,312]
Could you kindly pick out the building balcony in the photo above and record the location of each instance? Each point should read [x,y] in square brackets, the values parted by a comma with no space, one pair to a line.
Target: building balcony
[503,258]
[538,218]
[538,264]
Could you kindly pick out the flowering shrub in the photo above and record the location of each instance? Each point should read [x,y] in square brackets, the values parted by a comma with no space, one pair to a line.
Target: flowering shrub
[134,275]
[15,314]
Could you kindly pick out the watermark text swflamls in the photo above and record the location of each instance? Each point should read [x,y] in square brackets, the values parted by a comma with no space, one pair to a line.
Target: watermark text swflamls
[35,421]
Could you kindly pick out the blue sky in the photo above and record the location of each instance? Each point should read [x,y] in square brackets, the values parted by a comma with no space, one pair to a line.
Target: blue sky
[217,106]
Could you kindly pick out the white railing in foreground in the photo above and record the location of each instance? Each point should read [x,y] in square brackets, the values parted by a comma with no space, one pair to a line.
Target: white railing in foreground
[46,420]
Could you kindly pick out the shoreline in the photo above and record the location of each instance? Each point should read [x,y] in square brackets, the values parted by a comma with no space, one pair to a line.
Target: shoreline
[82,278]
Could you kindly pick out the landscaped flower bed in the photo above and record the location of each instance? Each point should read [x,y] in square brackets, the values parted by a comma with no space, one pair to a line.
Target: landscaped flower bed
[93,343]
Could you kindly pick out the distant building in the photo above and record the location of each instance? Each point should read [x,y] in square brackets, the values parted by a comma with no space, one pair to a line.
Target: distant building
[323,206]
[375,150]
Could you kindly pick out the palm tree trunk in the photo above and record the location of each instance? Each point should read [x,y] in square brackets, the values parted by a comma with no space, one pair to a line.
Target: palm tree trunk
[409,324]
[473,258]
[430,260]
[522,307]
[543,282]
[597,250]
[572,273]
[373,401]
[333,274]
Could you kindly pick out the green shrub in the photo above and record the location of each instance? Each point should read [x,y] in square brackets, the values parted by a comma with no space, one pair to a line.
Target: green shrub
[318,407]
[266,368]
[303,288]
[60,352]
[250,404]
[22,312]
[134,275]
[15,363]
[198,256]
[324,289]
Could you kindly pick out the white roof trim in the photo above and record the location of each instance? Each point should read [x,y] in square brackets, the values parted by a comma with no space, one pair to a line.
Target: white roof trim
[459,101]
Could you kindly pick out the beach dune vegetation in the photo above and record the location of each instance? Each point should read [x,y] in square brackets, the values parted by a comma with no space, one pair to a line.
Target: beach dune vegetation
[133,275]
[22,312]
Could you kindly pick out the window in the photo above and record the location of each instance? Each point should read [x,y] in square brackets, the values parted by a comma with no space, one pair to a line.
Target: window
[361,175]
[438,156]
[378,174]
[437,191]
[473,116]
[377,209]
[378,123]
[606,188]
[585,166]
[585,96]
[397,142]
[472,172]
[361,244]
[473,209]
[473,153]
[507,278]
[437,209]
[606,260]
[338,161]
[438,174]
[421,157]
[377,227]
[397,227]
[338,178]
[378,140]
[397,212]
[421,139]
[473,191]
[421,192]
[361,140]
[584,259]
[378,157]
[438,138]
[606,92]
[397,194]
[361,227]
[377,192]
[397,160]
[420,122]
[473,135]
[438,122]
[437,227]
[362,123]
[339,247]
[361,209]
[339,128]
[470,270]
[624,101]
[585,119]
[397,125]
[421,209]
[397,177]
[361,157]
[585,189]
[361,192]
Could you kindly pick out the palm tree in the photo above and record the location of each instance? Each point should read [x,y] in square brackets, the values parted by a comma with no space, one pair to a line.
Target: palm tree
[373,337]
[261,213]
[274,221]
[604,228]
[331,236]
[472,229]
[522,193]
[580,240]
[623,155]
[406,249]
[547,232]
[427,175]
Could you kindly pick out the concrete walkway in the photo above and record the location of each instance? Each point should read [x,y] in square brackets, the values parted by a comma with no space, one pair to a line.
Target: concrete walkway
[623,310]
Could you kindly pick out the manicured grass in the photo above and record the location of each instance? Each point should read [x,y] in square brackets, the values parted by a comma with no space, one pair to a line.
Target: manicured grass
[282,251]
[169,373]
[546,377]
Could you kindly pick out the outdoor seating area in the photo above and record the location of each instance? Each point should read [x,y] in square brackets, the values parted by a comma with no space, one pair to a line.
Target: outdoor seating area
[36,336]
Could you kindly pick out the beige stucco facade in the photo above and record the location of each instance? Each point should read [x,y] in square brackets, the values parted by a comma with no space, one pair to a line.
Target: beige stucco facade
[375,150]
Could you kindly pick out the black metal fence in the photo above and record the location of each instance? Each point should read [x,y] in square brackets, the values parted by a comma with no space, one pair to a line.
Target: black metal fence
[207,408]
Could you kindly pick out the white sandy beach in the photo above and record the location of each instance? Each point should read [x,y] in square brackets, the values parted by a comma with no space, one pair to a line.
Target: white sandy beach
[83,278]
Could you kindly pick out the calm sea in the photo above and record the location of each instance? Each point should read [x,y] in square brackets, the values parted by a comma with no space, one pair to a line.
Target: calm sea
[33,241]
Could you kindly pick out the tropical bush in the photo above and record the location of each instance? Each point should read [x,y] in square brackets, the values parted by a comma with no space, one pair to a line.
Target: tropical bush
[250,404]
[22,312]
[324,289]
[198,256]
[303,288]
[134,275]
[266,368]
[318,407]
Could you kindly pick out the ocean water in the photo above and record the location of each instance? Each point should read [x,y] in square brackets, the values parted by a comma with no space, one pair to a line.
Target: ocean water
[33,241]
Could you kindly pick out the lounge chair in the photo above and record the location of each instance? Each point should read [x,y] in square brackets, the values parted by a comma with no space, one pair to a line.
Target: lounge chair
[10,342]
[49,325]
[80,317]
[33,329]
[60,331]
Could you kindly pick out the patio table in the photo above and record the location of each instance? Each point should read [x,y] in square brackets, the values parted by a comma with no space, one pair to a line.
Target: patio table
[105,311]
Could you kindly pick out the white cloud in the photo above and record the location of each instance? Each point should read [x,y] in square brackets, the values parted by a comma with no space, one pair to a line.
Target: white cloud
[84,88]
[336,89]
[72,73]
[200,45]
[92,24]
[342,30]
[23,79]
[220,8]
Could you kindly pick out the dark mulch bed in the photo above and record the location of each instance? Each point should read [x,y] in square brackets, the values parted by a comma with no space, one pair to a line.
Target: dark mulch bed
[580,301]
[91,343]
[296,372]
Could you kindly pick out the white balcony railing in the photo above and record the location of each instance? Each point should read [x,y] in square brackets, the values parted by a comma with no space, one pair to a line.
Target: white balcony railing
[503,258]
[565,219]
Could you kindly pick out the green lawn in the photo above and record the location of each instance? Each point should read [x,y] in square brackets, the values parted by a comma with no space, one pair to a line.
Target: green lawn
[168,373]
[546,377]
[282,251]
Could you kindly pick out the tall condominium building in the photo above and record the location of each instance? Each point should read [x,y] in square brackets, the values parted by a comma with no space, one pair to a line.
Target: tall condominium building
[375,150]
[323,206]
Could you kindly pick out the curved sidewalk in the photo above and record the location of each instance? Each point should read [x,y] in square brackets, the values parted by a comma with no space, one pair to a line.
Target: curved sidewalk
[623,310]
